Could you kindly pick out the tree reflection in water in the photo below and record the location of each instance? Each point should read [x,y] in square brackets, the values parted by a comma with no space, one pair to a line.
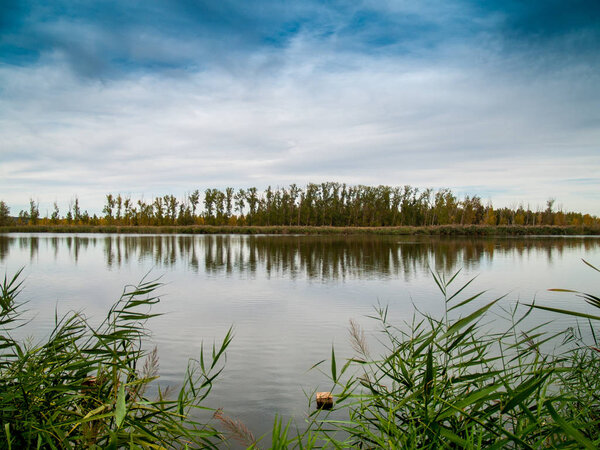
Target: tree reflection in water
[315,257]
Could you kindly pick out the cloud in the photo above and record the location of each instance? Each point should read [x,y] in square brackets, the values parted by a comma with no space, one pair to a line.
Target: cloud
[154,100]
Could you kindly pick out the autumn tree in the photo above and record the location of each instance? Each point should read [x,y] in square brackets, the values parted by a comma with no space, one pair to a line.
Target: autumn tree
[4,213]
[548,218]
[108,208]
[128,210]
[76,210]
[252,199]
[194,199]
[23,217]
[55,217]
[323,204]
[159,210]
[208,206]
[240,200]
[34,211]
[119,205]
[228,203]
[490,215]
[170,205]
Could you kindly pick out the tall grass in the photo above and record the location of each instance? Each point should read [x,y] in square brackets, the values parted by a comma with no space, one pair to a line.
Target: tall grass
[452,382]
[435,230]
[87,386]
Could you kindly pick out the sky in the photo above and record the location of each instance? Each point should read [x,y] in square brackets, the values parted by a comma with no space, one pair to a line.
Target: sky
[144,98]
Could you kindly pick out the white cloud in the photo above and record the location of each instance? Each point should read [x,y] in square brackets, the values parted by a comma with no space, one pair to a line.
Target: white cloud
[317,115]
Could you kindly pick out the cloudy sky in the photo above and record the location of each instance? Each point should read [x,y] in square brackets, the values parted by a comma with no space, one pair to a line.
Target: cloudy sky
[163,97]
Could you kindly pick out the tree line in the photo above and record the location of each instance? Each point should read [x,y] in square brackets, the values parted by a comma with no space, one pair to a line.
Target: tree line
[325,204]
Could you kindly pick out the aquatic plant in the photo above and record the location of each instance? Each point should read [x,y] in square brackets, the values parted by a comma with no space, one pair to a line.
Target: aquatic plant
[94,386]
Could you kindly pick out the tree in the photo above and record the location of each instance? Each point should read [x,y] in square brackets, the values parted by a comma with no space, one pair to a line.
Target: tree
[520,215]
[76,210]
[55,214]
[208,205]
[490,215]
[228,202]
[4,213]
[240,198]
[219,199]
[185,214]
[159,210]
[34,211]
[23,217]
[194,198]
[548,215]
[294,193]
[252,198]
[129,210]
[119,203]
[108,208]
[144,214]
[170,205]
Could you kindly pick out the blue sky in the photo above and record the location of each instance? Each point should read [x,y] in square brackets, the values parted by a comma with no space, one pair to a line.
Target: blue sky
[146,98]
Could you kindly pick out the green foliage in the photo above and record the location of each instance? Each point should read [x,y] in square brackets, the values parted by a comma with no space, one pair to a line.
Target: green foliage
[4,213]
[450,382]
[591,299]
[328,204]
[34,212]
[86,387]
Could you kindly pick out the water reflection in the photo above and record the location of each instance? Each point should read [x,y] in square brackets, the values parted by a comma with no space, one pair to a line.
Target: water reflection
[315,257]
[283,326]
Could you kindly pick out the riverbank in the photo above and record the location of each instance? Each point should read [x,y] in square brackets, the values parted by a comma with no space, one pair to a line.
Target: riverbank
[439,230]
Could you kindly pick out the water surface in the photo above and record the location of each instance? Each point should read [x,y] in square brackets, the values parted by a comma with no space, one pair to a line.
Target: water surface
[289,298]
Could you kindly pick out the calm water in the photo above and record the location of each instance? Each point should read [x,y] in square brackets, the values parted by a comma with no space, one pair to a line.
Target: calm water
[289,298]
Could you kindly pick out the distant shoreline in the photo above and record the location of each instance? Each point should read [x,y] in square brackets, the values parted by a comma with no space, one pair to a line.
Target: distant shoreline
[438,230]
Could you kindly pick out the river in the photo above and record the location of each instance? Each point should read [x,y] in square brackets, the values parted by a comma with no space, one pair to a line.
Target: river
[288,298]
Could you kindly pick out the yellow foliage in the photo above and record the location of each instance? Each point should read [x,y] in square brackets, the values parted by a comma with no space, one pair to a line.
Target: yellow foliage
[519,219]
[490,216]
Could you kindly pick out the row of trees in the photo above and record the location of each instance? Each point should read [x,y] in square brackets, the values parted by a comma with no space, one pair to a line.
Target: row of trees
[325,204]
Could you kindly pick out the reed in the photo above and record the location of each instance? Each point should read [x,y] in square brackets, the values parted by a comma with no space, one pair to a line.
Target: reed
[451,382]
[86,386]
[435,230]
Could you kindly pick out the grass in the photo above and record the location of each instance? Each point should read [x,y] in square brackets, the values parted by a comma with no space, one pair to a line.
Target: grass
[439,230]
[447,381]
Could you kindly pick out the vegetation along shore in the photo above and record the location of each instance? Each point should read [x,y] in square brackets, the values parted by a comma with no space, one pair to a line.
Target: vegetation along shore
[437,230]
[328,204]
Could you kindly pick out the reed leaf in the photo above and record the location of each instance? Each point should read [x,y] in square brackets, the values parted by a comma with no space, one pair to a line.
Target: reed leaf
[82,388]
